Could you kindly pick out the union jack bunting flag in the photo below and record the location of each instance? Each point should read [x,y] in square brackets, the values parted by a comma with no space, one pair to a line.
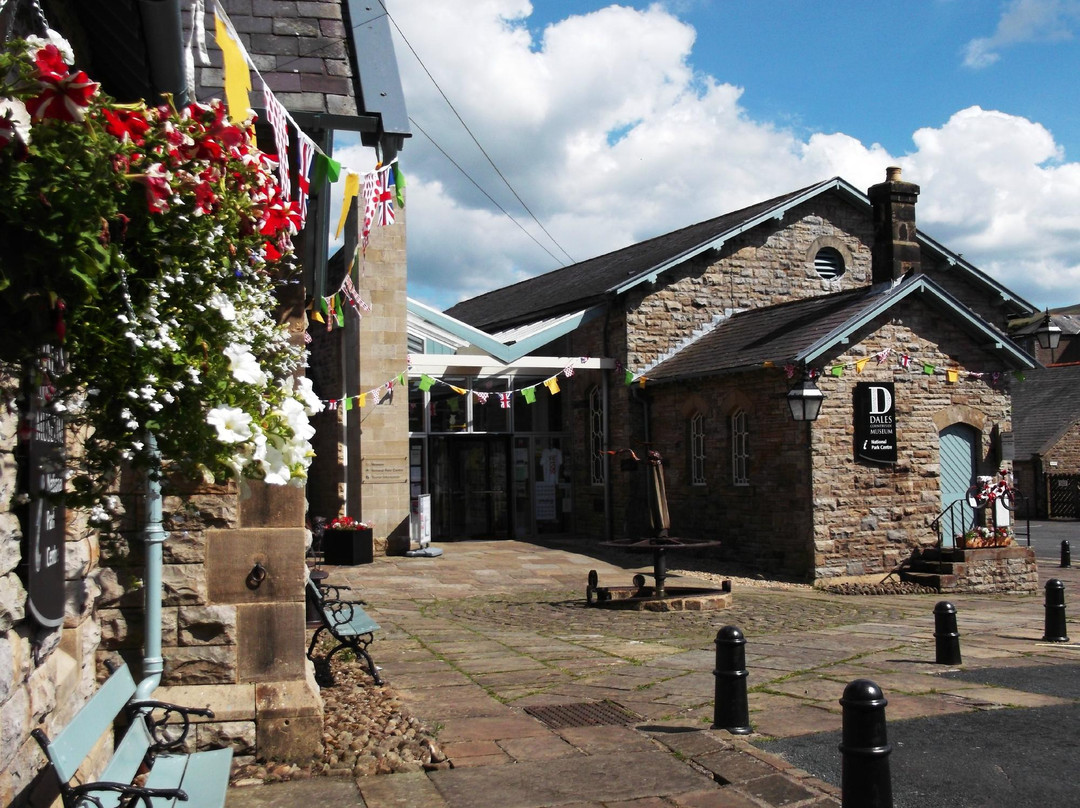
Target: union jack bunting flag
[881,357]
[306,152]
[353,296]
[279,121]
[368,192]
[481,397]
[384,196]
[905,360]
[568,371]
[504,400]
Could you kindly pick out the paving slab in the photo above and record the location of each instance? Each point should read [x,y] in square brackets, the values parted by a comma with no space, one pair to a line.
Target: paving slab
[318,791]
[395,791]
[602,778]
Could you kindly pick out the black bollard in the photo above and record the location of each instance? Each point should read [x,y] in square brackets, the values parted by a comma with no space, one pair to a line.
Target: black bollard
[730,708]
[1055,612]
[1066,555]
[946,637]
[865,781]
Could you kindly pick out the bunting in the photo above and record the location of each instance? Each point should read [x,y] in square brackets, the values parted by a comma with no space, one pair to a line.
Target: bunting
[278,118]
[305,151]
[235,66]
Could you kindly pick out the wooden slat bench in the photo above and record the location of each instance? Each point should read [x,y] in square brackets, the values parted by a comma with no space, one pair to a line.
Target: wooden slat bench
[349,625]
[197,779]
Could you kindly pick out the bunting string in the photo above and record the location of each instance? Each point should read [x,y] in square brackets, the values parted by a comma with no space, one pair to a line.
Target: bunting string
[426,382]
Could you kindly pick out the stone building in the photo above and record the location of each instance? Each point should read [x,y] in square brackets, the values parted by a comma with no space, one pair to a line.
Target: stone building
[710,329]
[1046,411]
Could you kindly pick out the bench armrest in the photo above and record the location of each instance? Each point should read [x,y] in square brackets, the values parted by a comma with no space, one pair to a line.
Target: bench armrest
[136,794]
[167,734]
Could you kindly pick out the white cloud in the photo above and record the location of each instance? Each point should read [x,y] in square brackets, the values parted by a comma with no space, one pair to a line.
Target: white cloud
[1024,21]
[606,131]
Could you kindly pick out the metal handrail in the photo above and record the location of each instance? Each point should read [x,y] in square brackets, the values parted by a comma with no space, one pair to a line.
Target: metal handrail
[962,512]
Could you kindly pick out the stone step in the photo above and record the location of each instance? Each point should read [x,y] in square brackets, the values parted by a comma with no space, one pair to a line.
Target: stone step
[933,580]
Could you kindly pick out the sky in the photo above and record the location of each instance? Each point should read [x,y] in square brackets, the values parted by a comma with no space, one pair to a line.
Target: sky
[615,123]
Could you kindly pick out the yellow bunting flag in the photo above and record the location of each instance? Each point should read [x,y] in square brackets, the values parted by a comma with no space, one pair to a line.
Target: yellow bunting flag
[361,400]
[861,364]
[237,75]
[552,385]
[458,390]
[951,375]
[352,188]
[641,381]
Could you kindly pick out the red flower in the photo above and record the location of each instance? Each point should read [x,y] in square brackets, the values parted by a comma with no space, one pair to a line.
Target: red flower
[156,179]
[125,125]
[64,99]
[50,63]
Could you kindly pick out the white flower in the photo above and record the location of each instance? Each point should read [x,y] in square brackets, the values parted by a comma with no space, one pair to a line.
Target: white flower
[306,394]
[224,305]
[233,425]
[14,120]
[275,467]
[244,366]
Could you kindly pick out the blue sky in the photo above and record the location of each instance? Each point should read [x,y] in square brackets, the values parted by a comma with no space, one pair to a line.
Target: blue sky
[617,123]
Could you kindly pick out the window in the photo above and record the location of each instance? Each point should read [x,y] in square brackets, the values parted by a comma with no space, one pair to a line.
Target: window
[740,449]
[596,437]
[829,263]
[697,449]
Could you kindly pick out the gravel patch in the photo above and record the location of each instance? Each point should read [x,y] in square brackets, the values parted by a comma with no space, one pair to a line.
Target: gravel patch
[366,731]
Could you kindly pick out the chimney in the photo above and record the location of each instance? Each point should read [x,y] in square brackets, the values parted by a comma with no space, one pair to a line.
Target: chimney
[895,251]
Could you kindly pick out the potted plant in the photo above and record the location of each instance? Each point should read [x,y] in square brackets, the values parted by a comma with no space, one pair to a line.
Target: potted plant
[348,541]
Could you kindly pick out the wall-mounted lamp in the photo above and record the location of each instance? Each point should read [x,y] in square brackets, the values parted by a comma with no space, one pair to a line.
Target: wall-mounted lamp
[1048,334]
[805,399]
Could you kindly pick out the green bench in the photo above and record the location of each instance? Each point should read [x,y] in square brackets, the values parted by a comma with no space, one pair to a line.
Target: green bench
[349,625]
[148,746]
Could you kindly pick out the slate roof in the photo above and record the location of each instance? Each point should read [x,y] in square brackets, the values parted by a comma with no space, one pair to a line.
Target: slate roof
[806,331]
[1045,405]
[597,280]
[588,282]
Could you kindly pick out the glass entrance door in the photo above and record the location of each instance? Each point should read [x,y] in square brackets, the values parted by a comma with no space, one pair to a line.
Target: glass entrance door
[469,487]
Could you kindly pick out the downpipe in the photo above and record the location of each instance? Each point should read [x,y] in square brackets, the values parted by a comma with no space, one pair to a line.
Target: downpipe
[153,664]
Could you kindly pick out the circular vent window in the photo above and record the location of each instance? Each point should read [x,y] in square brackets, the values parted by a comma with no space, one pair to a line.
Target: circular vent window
[829,263]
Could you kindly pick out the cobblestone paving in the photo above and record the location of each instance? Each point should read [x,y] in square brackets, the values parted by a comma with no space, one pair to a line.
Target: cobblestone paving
[757,614]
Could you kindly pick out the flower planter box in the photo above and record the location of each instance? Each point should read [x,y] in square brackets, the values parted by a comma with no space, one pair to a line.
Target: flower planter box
[348,547]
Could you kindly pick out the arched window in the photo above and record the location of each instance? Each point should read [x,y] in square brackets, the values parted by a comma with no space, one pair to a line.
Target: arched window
[597,465]
[740,449]
[697,449]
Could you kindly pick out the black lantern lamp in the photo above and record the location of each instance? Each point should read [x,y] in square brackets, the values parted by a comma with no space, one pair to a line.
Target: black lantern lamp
[1048,334]
[805,400]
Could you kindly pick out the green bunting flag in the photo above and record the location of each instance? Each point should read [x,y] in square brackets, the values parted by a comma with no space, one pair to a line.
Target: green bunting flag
[838,370]
[399,186]
[1019,376]
[629,377]
[325,169]
[348,404]
[530,395]
[928,369]
[339,311]
[426,382]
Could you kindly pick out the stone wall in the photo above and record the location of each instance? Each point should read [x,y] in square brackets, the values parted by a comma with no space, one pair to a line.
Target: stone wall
[46,675]
[867,517]
[773,263]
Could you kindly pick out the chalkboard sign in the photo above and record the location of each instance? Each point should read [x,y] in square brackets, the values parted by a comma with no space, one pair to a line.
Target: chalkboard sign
[42,450]
[875,422]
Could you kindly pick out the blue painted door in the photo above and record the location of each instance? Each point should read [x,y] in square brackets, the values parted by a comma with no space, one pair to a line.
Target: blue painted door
[957,446]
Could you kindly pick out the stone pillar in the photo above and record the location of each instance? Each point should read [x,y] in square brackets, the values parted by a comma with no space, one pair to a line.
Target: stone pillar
[378,435]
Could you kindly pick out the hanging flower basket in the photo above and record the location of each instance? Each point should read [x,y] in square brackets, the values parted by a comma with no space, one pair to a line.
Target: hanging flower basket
[150,244]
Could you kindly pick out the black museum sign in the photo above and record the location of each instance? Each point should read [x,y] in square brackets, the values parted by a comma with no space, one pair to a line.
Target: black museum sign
[875,422]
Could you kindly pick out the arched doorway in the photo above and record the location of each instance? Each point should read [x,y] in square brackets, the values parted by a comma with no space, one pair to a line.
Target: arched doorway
[958,446]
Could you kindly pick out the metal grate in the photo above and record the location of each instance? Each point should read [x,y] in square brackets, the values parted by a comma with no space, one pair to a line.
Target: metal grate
[583,714]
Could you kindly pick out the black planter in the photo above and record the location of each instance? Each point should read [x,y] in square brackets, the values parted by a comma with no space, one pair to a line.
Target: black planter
[346,547]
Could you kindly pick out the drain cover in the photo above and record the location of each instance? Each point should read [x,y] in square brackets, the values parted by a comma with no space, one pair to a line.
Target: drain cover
[583,714]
